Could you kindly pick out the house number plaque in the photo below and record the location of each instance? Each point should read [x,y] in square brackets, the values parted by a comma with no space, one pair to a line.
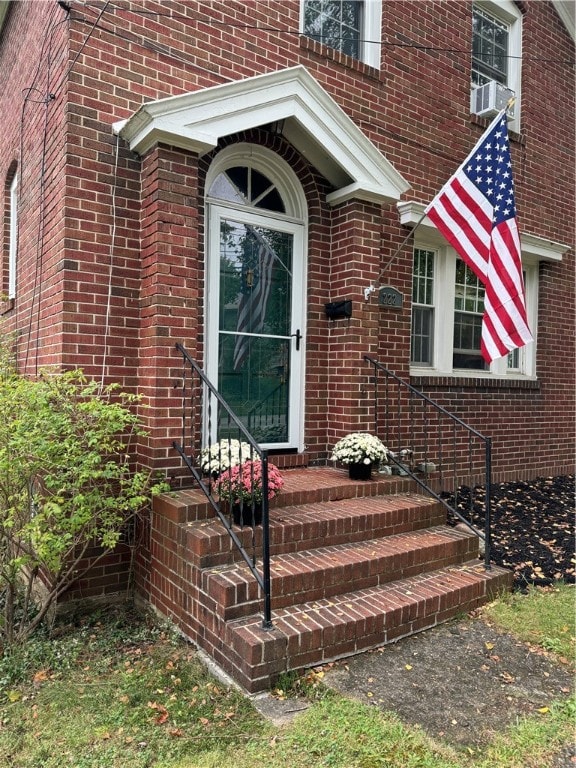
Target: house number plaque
[390,298]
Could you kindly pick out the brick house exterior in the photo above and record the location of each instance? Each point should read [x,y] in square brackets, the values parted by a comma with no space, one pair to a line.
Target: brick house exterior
[116,118]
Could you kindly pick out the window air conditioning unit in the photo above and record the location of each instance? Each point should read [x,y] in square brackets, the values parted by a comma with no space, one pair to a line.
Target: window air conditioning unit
[489,99]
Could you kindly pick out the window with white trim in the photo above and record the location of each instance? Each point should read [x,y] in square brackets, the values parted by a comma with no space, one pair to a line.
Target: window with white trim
[497,47]
[489,48]
[422,340]
[13,239]
[447,309]
[350,26]
[8,287]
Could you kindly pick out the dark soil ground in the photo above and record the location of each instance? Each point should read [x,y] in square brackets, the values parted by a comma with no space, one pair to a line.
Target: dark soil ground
[532,527]
[464,681]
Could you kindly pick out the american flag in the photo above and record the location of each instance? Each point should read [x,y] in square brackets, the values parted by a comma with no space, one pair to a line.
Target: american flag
[256,280]
[476,213]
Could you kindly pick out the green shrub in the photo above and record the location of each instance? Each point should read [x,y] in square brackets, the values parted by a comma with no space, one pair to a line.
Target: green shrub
[67,483]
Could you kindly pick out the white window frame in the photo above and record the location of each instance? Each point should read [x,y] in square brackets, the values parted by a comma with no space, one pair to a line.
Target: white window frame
[508,13]
[13,237]
[443,323]
[371,47]
[534,250]
[432,305]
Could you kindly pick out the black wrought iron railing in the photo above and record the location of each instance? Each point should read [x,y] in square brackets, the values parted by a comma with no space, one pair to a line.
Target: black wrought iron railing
[446,457]
[229,467]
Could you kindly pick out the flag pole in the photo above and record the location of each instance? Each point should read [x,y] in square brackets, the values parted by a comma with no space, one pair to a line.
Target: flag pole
[376,283]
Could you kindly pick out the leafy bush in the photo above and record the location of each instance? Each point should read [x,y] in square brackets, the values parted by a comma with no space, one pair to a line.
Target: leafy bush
[67,484]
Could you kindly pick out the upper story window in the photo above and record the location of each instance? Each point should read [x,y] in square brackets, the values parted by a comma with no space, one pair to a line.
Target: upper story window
[489,48]
[350,26]
[497,47]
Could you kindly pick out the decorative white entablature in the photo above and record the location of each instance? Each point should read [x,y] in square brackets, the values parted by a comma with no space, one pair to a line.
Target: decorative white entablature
[293,100]
[534,248]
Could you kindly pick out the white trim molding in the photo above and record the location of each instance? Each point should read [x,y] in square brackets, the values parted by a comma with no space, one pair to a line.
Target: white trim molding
[566,9]
[534,248]
[293,99]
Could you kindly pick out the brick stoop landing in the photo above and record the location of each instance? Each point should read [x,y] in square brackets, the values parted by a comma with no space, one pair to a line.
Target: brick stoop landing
[354,565]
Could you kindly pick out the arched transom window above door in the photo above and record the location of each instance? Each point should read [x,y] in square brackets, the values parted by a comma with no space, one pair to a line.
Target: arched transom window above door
[251,176]
[247,186]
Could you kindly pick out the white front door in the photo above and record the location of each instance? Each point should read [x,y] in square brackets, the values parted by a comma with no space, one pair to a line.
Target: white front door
[256,322]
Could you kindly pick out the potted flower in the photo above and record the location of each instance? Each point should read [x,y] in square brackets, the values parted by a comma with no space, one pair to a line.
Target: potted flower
[220,456]
[359,451]
[241,486]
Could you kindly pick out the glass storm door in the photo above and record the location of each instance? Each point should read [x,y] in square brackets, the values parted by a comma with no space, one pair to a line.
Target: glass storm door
[255,324]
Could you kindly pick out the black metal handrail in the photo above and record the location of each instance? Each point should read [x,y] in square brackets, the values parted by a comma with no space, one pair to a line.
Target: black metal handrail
[433,446]
[205,413]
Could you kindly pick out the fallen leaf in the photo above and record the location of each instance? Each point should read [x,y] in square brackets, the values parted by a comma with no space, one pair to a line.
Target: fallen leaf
[14,696]
[40,677]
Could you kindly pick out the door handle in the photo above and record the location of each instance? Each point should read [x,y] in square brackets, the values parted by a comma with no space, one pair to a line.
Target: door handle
[298,336]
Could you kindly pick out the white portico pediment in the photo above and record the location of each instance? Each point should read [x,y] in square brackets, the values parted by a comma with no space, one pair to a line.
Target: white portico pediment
[291,98]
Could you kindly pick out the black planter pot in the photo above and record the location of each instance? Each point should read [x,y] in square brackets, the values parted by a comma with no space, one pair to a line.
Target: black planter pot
[360,471]
[242,514]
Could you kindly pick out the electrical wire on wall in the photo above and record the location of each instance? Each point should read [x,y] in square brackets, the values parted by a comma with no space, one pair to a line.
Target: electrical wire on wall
[251,27]
[111,265]
[37,96]
[45,96]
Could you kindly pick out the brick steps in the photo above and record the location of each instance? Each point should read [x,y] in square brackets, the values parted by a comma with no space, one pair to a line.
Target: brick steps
[327,485]
[309,526]
[323,572]
[354,565]
[324,630]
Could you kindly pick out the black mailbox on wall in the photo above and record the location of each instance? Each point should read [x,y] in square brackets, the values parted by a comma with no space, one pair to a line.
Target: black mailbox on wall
[336,310]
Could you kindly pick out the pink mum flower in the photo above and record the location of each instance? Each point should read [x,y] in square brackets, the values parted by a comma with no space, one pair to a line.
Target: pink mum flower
[244,482]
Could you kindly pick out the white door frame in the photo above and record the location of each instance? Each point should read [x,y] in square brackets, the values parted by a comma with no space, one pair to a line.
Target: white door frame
[215,214]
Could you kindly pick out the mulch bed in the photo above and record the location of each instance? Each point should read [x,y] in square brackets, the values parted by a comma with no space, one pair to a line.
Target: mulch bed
[532,527]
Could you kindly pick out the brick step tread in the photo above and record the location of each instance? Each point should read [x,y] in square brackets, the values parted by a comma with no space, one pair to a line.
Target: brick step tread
[323,630]
[324,572]
[299,528]
[312,485]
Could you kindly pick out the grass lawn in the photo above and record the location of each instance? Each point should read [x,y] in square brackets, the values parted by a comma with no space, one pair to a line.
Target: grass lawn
[122,692]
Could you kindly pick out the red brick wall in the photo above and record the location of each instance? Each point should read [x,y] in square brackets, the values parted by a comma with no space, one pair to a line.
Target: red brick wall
[111,270]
